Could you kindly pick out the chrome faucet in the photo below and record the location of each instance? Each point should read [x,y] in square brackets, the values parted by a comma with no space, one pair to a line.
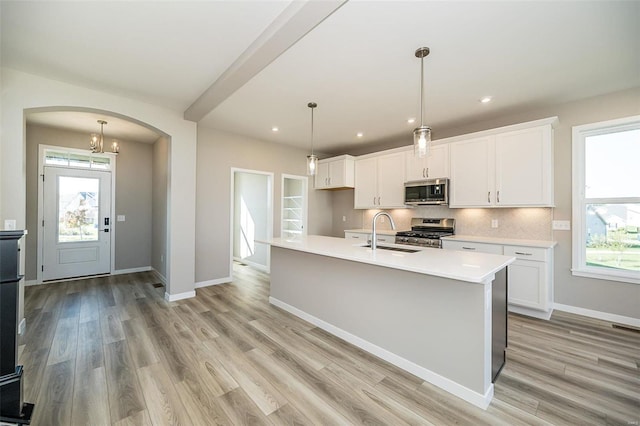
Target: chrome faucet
[374,237]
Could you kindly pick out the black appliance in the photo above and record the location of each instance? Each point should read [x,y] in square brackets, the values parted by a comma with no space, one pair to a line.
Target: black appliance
[426,232]
[12,408]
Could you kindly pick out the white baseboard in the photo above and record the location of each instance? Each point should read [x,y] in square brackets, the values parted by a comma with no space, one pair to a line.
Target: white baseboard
[132,270]
[545,315]
[217,281]
[475,398]
[28,283]
[22,327]
[160,277]
[620,319]
[174,297]
[255,265]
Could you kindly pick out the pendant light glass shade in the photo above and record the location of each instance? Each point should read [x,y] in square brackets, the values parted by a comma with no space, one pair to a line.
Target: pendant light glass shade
[421,141]
[312,164]
[312,160]
[96,143]
[422,134]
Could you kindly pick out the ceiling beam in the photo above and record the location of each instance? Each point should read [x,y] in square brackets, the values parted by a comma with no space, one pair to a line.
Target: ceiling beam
[290,26]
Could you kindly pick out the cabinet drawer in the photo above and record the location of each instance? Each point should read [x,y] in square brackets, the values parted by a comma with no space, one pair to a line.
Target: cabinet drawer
[386,238]
[357,236]
[467,246]
[526,253]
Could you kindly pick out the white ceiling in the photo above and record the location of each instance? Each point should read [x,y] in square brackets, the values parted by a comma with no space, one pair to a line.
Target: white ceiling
[358,64]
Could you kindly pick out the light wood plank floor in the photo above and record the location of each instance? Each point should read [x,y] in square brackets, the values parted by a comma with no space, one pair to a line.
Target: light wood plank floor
[111,351]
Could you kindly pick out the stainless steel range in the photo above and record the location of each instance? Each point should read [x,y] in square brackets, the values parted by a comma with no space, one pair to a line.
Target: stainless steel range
[426,232]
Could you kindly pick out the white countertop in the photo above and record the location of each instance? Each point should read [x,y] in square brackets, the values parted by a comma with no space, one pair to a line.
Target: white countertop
[503,241]
[458,265]
[368,231]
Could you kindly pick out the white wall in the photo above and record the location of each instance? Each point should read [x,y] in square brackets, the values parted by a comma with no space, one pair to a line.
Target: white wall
[21,91]
[218,152]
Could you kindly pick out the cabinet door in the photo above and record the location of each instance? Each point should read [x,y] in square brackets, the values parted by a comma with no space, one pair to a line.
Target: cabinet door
[336,174]
[526,281]
[415,167]
[391,181]
[472,246]
[524,175]
[322,175]
[365,193]
[437,164]
[472,173]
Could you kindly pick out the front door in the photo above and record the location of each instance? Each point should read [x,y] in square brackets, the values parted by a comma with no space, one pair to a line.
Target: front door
[76,228]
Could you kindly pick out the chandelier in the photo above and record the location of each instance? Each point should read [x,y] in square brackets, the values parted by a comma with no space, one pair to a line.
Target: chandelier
[97,141]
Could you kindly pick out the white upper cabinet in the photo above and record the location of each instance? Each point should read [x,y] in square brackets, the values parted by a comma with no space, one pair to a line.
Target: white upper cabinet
[336,172]
[472,177]
[435,165]
[511,168]
[524,167]
[380,182]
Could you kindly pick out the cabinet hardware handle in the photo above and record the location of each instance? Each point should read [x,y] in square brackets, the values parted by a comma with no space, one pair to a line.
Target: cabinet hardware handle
[353,236]
[329,180]
[489,197]
[523,253]
[424,172]
[374,201]
[378,200]
[498,196]
[427,172]
[468,248]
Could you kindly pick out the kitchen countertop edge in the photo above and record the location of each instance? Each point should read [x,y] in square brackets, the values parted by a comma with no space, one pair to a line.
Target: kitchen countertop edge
[456,265]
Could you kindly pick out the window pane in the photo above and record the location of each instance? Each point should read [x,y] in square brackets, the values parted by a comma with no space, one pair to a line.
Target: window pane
[100,163]
[613,240]
[53,158]
[78,217]
[611,165]
[79,161]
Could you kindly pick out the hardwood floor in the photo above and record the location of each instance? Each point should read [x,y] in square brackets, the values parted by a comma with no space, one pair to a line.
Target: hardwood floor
[111,351]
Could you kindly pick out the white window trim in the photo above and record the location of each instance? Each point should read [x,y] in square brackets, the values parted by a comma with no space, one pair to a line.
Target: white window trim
[579,133]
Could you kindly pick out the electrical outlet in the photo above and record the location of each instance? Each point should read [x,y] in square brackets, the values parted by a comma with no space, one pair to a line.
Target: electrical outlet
[344,218]
[121,218]
[561,225]
[381,219]
[494,223]
[162,258]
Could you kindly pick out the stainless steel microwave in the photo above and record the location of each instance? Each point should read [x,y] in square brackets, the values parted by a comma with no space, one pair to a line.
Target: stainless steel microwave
[427,192]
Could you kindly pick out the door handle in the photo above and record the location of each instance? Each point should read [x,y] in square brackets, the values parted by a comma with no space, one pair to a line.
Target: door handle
[104,230]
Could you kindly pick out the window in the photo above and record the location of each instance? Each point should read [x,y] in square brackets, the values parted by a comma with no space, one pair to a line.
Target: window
[606,200]
[77,159]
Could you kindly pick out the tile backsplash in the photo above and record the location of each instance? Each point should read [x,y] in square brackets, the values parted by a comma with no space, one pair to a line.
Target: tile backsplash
[520,223]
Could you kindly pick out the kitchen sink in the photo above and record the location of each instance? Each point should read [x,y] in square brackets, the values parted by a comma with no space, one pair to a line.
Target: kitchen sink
[404,250]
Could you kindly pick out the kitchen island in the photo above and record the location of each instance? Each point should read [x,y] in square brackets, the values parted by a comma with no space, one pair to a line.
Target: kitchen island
[440,315]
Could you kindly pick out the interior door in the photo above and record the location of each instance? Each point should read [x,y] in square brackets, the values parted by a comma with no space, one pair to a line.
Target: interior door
[76,227]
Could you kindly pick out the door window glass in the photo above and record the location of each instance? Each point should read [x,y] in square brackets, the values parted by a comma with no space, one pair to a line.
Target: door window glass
[78,207]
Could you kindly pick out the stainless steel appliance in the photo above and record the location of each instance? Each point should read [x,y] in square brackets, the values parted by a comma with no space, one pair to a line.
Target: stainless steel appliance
[427,192]
[426,232]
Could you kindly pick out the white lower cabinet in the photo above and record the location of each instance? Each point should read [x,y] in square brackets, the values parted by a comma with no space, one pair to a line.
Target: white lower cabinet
[366,237]
[529,278]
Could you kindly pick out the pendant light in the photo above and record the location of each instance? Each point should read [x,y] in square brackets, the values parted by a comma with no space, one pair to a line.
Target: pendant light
[312,160]
[96,143]
[422,134]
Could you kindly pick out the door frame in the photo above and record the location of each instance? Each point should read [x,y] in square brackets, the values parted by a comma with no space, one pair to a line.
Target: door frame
[41,153]
[232,194]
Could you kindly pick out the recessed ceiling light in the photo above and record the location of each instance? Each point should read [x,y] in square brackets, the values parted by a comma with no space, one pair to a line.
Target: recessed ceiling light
[485,100]
[359,134]
[274,129]
[411,120]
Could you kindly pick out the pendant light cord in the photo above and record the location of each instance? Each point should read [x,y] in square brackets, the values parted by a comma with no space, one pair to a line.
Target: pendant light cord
[421,92]
[311,130]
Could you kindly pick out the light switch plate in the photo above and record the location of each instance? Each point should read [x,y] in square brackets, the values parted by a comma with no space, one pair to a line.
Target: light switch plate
[120,218]
[561,225]
[10,224]
[494,223]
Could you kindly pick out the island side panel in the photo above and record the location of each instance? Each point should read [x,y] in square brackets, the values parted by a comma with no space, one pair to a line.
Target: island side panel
[433,322]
